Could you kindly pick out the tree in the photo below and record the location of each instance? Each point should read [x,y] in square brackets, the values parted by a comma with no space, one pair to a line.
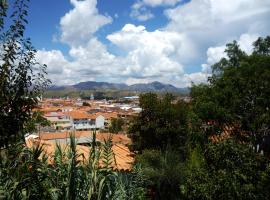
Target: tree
[22,78]
[160,124]
[238,93]
[226,170]
[37,120]
[116,125]
[163,172]
[262,46]
[86,104]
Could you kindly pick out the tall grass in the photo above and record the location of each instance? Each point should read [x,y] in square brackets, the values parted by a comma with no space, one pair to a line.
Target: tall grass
[26,173]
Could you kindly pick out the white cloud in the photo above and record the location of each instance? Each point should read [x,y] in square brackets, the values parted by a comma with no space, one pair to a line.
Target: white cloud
[89,62]
[81,22]
[154,3]
[214,54]
[140,12]
[215,22]
[204,14]
[196,78]
[151,54]
[197,30]
[210,24]
[131,81]
[54,59]
[246,40]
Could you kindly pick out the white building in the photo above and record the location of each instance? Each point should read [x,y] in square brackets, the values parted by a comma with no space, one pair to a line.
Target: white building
[84,121]
[59,120]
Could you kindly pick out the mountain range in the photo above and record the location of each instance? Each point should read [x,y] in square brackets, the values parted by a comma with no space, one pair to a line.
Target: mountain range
[140,87]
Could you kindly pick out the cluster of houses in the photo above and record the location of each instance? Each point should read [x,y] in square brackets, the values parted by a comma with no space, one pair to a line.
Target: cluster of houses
[79,118]
[66,114]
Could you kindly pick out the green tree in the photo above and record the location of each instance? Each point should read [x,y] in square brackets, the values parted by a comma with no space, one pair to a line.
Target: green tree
[226,170]
[116,125]
[26,173]
[262,46]
[163,172]
[22,78]
[37,120]
[237,93]
[86,104]
[160,124]
[236,96]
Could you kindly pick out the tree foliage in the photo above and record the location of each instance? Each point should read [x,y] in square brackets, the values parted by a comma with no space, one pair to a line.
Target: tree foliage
[227,170]
[163,172]
[22,78]
[236,97]
[160,124]
[238,92]
[116,125]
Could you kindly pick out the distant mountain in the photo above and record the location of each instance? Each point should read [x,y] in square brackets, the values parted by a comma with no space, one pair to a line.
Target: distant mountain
[141,87]
[154,86]
[91,85]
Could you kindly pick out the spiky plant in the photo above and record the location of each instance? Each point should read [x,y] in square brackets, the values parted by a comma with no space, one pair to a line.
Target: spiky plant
[25,176]
[26,173]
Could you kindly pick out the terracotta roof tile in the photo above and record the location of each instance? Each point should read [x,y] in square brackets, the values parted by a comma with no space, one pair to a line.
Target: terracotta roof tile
[123,157]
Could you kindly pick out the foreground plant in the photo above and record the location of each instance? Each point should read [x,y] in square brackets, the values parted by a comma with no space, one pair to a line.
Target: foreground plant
[27,173]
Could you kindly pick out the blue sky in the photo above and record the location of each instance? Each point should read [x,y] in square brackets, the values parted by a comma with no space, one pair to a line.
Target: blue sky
[44,17]
[139,41]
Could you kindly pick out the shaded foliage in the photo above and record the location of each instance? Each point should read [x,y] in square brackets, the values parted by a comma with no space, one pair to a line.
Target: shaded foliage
[163,172]
[160,124]
[116,125]
[22,78]
[227,170]
[238,95]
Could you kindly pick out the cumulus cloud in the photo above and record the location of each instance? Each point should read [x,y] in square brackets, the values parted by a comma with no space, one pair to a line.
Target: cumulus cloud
[88,62]
[141,12]
[89,57]
[197,30]
[214,54]
[154,3]
[210,24]
[214,22]
[81,22]
[151,54]
[204,14]
[54,60]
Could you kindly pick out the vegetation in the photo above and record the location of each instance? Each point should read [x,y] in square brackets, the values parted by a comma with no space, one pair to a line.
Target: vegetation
[29,174]
[232,107]
[238,92]
[160,124]
[86,94]
[86,104]
[22,79]
[215,147]
[226,170]
[116,125]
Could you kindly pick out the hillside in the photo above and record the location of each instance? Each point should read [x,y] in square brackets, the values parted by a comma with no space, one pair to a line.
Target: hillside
[142,87]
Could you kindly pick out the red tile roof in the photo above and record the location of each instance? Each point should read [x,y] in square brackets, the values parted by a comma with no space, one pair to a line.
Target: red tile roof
[123,158]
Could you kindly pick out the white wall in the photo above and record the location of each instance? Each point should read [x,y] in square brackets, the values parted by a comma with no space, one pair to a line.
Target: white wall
[100,120]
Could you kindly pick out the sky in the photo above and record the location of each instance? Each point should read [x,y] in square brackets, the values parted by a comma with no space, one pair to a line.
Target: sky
[140,41]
